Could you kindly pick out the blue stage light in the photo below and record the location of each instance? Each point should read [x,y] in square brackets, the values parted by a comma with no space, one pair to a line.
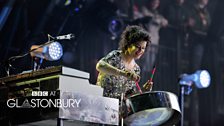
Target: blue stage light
[52,51]
[200,78]
[115,26]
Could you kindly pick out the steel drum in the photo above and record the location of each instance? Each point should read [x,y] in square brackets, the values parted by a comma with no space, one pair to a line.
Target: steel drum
[153,108]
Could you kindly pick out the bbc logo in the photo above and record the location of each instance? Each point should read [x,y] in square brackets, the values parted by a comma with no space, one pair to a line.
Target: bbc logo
[39,93]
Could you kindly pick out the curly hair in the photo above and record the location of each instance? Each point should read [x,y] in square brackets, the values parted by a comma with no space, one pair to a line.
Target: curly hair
[132,35]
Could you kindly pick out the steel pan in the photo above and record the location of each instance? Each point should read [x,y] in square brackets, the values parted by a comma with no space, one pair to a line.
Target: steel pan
[153,108]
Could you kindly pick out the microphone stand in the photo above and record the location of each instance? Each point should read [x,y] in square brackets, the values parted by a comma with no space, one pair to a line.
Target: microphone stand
[185,89]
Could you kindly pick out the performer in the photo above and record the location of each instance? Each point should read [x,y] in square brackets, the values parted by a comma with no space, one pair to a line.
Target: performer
[118,71]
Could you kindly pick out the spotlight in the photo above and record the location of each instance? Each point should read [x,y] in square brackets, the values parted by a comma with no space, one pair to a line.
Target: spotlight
[200,78]
[67,2]
[115,26]
[108,18]
[52,51]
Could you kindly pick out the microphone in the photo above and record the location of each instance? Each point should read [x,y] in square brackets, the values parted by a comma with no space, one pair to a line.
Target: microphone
[63,37]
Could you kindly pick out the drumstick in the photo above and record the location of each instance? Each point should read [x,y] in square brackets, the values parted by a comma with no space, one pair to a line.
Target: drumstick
[137,85]
[151,78]
[153,72]
[152,75]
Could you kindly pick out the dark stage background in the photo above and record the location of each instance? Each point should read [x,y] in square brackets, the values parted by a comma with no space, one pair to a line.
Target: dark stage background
[27,22]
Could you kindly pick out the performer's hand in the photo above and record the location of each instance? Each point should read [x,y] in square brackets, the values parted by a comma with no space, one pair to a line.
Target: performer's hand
[132,76]
[148,86]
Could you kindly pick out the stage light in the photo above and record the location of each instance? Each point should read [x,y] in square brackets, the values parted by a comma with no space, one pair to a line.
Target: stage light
[200,78]
[108,18]
[67,2]
[52,51]
[115,26]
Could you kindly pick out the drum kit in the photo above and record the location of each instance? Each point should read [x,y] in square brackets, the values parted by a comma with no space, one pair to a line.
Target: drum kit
[153,108]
